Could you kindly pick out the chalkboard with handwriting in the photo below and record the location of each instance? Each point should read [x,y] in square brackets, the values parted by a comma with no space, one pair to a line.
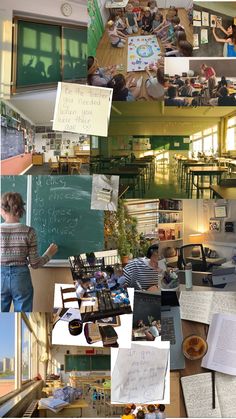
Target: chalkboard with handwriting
[12,142]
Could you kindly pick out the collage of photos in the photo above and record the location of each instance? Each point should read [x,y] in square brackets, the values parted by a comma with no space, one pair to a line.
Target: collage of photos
[118,220]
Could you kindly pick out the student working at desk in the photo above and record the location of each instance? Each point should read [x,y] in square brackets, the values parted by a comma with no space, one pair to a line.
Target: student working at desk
[18,249]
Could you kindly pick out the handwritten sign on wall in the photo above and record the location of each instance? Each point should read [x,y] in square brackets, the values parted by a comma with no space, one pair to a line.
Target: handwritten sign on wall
[82,109]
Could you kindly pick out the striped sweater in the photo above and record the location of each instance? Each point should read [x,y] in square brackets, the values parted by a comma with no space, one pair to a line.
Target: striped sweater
[19,246]
[138,272]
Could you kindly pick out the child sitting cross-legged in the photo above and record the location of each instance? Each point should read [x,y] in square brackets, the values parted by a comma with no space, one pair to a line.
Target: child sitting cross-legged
[117,38]
[146,21]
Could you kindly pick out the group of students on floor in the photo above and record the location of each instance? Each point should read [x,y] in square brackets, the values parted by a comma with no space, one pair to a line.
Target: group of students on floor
[210,92]
[150,21]
[150,412]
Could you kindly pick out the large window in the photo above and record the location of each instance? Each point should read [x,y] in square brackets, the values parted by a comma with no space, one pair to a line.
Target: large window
[231,135]
[22,339]
[205,141]
[7,353]
[46,53]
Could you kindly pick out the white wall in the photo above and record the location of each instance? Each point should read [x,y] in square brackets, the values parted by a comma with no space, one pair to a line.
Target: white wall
[177,66]
[47,9]
[104,12]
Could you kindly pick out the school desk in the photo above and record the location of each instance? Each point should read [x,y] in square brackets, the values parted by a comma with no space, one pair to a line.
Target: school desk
[100,404]
[43,280]
[61,335]
[74,409]
[200,173]
[134,177]
[224,192]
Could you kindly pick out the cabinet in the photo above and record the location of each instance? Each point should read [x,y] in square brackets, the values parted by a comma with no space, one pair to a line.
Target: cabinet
[38,159]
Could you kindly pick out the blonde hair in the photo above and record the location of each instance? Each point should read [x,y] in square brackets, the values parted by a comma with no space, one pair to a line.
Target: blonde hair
[12,203]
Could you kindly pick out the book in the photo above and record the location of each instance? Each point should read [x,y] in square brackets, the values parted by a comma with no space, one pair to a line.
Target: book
[221,339]
[200,306]
[109,335]
[55,405]
[197,391]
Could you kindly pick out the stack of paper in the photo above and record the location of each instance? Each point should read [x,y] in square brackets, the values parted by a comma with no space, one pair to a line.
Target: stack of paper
[55,405]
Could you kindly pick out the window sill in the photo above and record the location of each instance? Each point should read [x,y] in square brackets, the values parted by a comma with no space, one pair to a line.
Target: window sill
[15,399]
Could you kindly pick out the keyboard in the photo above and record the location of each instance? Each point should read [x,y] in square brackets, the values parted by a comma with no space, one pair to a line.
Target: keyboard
[104,306]
[168,330]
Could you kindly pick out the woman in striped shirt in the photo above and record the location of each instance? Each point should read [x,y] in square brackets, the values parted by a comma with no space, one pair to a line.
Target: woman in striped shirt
[18,249]
[144,273]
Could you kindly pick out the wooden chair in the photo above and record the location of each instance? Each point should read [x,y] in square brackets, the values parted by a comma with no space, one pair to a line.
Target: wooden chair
[75,167]
[53,166]
[68,299]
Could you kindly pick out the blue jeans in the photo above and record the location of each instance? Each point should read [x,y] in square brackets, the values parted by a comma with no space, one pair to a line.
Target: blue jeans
[16,287]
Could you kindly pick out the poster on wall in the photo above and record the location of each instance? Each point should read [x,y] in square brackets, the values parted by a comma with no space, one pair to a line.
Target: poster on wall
[195,41]
[204,36]
[213,20]
[197,15]
[219,21]
[197,23]
[205,19]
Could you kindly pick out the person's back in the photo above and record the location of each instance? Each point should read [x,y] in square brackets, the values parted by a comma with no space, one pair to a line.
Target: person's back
[174,101]
[151,415]
[186,90]
[226,101]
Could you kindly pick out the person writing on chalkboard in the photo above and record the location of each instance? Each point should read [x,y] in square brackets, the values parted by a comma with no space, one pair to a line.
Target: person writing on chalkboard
[230,40]
[18,250]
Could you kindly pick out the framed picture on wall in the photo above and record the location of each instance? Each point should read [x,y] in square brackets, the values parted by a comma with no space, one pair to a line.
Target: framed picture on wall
[197,15]
[204,36]
[220,211]
[205,19]
[214,226]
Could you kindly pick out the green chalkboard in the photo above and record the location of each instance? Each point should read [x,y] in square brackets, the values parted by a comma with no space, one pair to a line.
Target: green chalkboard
[101,363]
[160,142]
[48,53]
[87,363]
[15,184]
[61,214]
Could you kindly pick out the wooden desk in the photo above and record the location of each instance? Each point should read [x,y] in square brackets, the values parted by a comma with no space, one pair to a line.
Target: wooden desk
[200,172]
[213,261]
[66,412]
[225,192]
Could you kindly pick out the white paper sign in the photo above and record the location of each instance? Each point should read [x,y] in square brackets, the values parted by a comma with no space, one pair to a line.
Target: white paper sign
[139,374]
[186,140]
[105,191]
[176,144]
[82,109]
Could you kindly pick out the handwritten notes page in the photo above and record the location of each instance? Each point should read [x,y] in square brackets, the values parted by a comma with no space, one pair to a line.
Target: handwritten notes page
[221,339]
[197,391]
[82,109]
[199,306]
[139,374]
[226,389]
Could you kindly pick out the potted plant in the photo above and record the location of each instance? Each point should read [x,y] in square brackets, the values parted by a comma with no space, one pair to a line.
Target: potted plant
[123,247]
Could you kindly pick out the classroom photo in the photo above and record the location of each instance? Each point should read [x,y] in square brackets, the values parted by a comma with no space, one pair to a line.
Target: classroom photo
[171,152]
[200,82]
[214,31]
[127,43]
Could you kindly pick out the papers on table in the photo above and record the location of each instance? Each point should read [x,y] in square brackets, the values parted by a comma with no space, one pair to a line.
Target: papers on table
[55,405]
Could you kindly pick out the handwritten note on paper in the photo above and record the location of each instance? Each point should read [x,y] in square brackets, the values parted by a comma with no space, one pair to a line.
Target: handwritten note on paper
[82,109]
[105,191]
[139,375]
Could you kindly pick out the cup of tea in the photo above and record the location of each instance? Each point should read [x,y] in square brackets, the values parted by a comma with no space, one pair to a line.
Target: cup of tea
[194,347]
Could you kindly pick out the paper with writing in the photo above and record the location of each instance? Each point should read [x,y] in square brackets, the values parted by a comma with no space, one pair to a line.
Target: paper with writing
[199,306]
[82,109]
[139,374]
[221,339]
[226,388]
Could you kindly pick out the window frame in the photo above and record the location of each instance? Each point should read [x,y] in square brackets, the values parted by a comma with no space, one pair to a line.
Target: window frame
[32,87]
[202,135]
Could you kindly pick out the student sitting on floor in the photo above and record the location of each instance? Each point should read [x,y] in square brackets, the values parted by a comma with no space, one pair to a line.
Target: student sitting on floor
[157,20]
[172,99]
[173,46]
[151,412]
[117,38]
[165,29]
[176,23]
[155,85]
[146,21]
[121,91]
[152,4]
[18,250]
[184,49]
[127,413]
[119,22]
[225,99]
[138,12]
[97,76]
[161,411]
[131,20]
[187,89]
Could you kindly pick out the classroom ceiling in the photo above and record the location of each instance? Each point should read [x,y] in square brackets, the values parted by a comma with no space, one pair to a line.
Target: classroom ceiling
[137,118]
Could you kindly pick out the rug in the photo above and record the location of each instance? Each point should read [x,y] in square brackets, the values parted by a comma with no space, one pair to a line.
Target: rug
[142,51]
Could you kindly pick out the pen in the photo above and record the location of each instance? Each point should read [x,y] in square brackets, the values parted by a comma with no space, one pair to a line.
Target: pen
[213,390]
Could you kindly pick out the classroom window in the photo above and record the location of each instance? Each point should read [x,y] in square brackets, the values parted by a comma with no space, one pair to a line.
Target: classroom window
[25,351]
[7,354]
[231,134]
[205,141]
[47,53]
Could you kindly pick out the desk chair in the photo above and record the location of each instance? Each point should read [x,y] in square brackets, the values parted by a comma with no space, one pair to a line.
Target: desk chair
[186,256]
[53,166]
[68,299]
[75,167]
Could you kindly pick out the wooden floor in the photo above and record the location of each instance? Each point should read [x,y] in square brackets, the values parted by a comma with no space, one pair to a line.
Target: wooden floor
[108,55]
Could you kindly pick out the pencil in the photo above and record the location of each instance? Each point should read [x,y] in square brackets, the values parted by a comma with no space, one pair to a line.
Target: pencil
[213,390]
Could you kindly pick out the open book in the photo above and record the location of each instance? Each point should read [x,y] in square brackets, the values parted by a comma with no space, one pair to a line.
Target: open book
[199,306]
[221,339]
[197,390]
